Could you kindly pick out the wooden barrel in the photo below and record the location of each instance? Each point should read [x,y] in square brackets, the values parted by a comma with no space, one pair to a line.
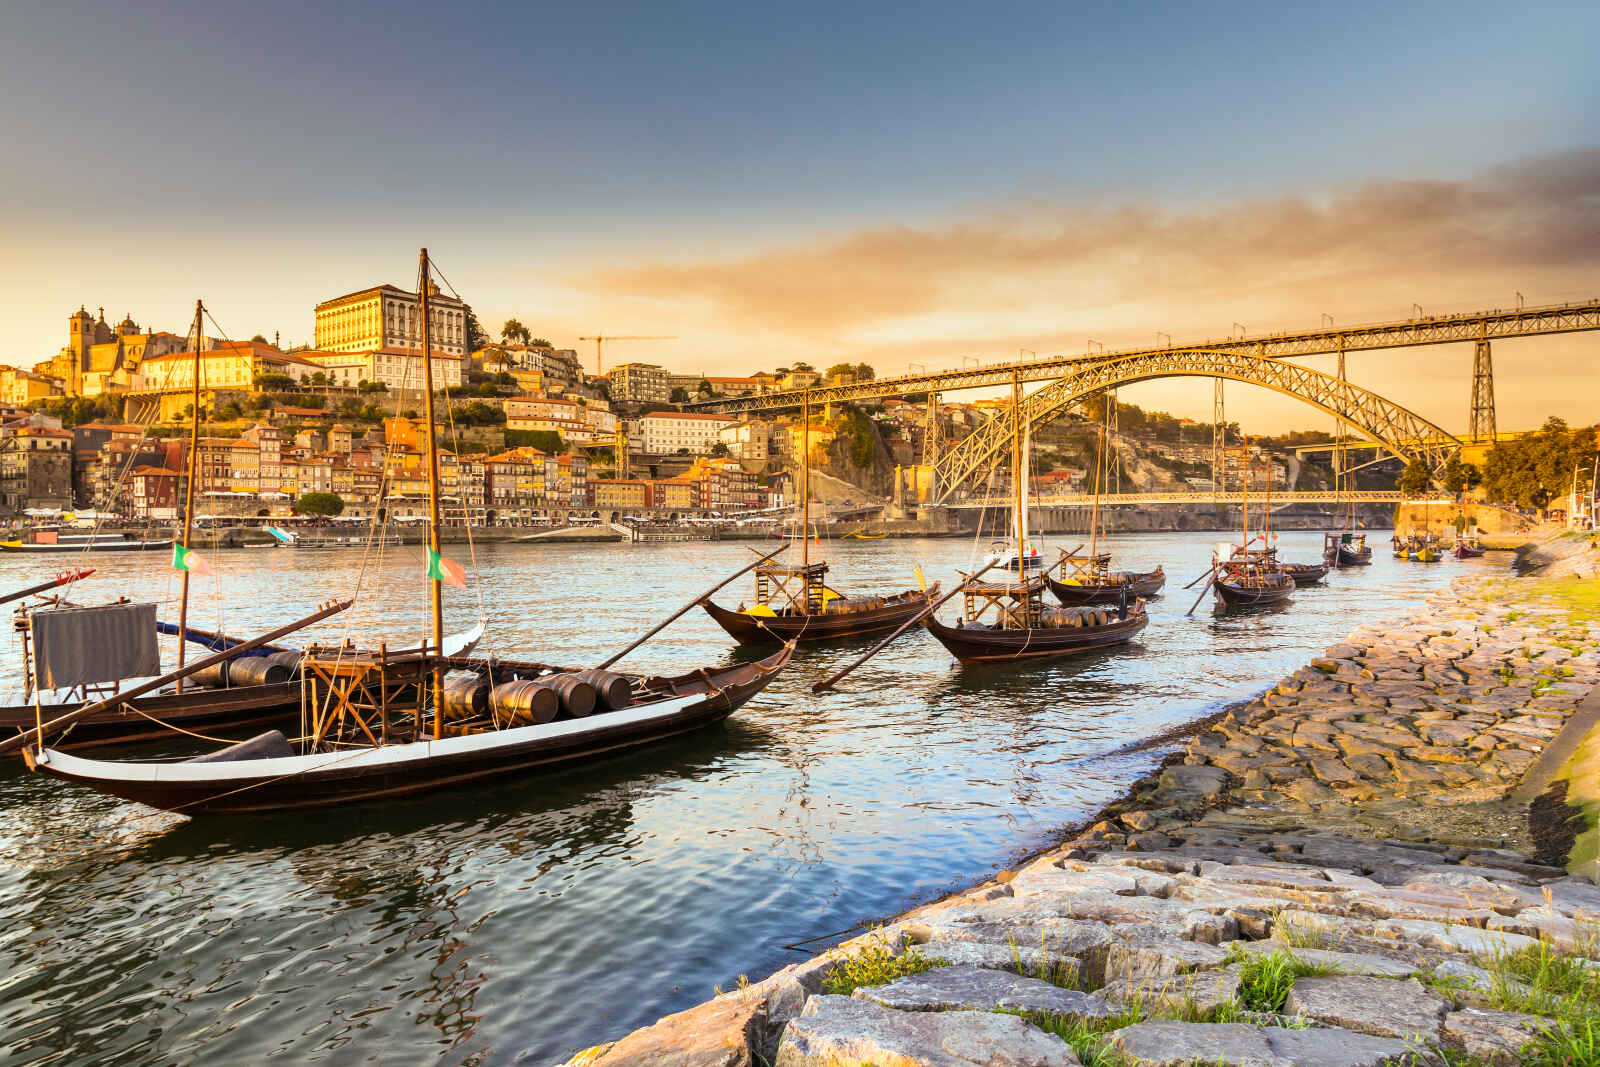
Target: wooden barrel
[290,660]
[256,670]
[612,690]
[213,677]
[525,702]
[466,696]
[577,696]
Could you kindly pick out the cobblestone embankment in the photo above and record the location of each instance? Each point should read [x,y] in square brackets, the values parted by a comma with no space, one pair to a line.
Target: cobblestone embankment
[1343,872]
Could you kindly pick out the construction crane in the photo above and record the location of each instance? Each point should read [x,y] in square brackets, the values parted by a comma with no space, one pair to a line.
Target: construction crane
[600,339]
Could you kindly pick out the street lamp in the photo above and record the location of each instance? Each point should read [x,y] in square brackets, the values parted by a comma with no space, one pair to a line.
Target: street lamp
[1089,346]
[1519,301]
[1418,309]
[1329,317]
[1168,336]
[1240,327]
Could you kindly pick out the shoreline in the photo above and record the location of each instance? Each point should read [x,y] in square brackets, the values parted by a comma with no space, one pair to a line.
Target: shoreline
[1241,793]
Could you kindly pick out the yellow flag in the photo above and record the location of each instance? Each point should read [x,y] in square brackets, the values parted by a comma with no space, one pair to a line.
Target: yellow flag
[923,582]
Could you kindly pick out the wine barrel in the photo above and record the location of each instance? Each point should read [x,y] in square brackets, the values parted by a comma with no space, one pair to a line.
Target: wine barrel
[525,702]
[466,696]
[257,670]
[577,696]
[290,660]
[212,677]
[612,690]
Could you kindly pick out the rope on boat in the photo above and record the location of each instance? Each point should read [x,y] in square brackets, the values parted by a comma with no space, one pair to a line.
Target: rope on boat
[176,729]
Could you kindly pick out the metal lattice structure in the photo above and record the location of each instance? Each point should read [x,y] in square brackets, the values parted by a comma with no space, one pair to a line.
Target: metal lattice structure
[1281,497]
[1482,426]
[1402,431]
[1429,330]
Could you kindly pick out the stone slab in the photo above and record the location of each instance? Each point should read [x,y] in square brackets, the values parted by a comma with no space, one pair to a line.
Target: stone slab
[837,1031]
[1382,1007]
[982,989]
[1176,1044]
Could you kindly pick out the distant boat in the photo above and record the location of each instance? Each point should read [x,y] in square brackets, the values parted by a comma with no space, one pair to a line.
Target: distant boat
[49,540]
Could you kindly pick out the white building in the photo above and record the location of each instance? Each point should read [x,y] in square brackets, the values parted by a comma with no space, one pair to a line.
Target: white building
[639,383]
[396,368]
[667,431]
[385,317]
[751,440]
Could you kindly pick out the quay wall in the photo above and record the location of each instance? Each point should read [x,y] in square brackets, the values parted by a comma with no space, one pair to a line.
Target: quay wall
[1390,823]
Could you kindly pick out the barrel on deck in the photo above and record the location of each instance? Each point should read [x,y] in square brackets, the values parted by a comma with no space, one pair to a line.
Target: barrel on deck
[577,696]
[526,702]
[466,696]
[613,691]
[257,670]
[290,660]
[212,677]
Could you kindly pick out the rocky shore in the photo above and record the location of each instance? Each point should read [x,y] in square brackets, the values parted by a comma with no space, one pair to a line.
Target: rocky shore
[1363,866]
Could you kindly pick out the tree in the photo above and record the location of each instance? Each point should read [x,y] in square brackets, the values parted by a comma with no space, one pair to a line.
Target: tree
[548,441]
[274,381]
[1414,479]
[864,373]
[720,448]
[258,339]
[704,388]
[513,331]
[680,395]
[319,378]
[1535,469]
[319,504]
[540,342]
[477,336]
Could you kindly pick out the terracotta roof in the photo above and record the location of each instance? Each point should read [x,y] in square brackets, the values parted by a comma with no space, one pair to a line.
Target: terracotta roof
[41,431]
[395,289]
[687,415]
[160,472]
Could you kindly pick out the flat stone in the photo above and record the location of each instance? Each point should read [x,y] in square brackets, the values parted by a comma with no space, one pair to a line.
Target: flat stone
[1332,770]
[981,989]
[1193,782]
[1383,1007]
[1137,960]
[1454,938]
[1167,1043]
[1204,990]
[1281,877]
[1139,820]
[718,1033]
[836,1031]
[1496,1036]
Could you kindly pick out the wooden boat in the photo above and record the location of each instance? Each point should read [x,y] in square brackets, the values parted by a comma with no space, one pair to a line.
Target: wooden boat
[1346,549]
[1305,573]
[1463,550]
[268,774]
[383,724]
[1007,619]
[796,603]
[55,541]
[1095,583]
[1250,583]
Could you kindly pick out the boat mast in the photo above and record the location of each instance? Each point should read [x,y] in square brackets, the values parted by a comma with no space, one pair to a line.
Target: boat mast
[425,275]
[188,496]
[1094,512]
[805,499]
[1244,495]
[1016,469]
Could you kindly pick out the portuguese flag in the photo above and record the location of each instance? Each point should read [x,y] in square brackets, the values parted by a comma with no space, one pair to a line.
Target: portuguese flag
[184,559]
[446,570]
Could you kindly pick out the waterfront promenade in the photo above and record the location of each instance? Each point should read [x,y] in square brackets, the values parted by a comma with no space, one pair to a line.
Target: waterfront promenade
[1359,866]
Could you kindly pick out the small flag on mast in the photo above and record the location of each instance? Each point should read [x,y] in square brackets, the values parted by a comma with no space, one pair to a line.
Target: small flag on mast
[923,582]
[184,559]
[447,571]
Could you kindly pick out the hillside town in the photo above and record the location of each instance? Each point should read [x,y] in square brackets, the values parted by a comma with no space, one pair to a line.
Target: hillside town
[333,427]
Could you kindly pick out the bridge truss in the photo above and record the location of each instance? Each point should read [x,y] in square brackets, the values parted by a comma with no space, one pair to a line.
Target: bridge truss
[1205,496]
[1402,431]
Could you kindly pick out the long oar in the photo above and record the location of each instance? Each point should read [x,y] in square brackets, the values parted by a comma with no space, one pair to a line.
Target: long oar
[11,744]
[676,615]
[1203,577]
[1206,589]
[64,578]
[828,682]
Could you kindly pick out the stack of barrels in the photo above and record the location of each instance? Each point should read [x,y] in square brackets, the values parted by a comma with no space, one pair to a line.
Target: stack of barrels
[275,668]
[535,701]
[854,604]
[1075,617]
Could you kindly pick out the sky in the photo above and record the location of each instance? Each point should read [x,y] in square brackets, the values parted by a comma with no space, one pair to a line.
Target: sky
[905,185]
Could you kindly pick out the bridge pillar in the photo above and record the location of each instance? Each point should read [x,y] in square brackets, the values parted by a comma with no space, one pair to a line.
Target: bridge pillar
[1482,424]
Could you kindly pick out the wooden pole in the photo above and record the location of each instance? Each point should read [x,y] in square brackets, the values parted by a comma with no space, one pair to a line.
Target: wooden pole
[11,744]
[832,679]
[805,500]
[65,578]
[669,620]
[1016,472]
[188,500]
[1099,463]
[425,275]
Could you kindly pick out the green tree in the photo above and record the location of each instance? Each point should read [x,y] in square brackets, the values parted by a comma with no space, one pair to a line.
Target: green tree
[258,339]
[540,342]
[704,388]
[1414,479]
[513,332]
[680,395]
[720,448]
[548,441]
[865,373]
[274,381]
[1454,478]
[319,504]
[319,378]
[477,336]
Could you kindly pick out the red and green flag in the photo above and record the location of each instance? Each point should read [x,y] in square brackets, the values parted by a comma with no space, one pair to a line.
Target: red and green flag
[186,559]
[446,570]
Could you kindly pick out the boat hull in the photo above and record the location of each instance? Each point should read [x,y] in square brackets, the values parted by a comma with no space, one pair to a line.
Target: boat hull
[1306,573]
[778,629]
[103,546]
[1349,557]
[980,645]
[1146,585]
[366,774]
[1467,552]
[229,713]
[1235,594]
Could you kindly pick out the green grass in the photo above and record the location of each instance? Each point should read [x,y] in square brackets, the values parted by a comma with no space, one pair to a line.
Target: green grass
[1265,980]
[1573,1043]
[1578,597]
[878,964]
[1059,972]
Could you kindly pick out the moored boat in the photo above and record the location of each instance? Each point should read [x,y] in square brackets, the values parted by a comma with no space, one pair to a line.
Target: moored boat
[1096,583]
[1305,573]
[1250,583]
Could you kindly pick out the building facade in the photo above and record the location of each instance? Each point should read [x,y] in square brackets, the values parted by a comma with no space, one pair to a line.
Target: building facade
[639,383]
[387,317]
[664,432]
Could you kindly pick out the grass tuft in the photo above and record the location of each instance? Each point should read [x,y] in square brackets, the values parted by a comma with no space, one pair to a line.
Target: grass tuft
[878,964]
[1265,980]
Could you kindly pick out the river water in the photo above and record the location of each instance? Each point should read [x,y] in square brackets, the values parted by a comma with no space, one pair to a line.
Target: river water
[518,922]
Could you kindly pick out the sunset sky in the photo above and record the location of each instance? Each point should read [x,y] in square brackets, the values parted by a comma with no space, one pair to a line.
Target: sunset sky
[896,184]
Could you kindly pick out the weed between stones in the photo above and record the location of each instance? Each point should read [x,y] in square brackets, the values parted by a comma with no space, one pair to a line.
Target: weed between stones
[1265,981]
[878,964]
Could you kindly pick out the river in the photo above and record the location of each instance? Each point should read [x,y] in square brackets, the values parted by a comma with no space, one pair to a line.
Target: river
[516,923]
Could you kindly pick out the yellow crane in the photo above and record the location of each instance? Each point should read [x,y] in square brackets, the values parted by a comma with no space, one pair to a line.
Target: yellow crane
[600,339]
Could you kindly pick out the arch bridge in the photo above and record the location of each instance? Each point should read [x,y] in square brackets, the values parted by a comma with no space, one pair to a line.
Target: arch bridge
[1404,432]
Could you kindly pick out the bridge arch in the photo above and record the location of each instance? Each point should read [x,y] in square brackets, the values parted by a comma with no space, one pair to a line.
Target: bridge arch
[1404,432]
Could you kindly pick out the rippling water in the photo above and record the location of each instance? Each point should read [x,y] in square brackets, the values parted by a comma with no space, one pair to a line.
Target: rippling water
[515,923]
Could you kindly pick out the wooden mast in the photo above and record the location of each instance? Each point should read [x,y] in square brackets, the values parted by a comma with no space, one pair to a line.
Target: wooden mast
[1244,496]
[188,496]
[1016,471]
[425,276]
[805,500]
[1094,511]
